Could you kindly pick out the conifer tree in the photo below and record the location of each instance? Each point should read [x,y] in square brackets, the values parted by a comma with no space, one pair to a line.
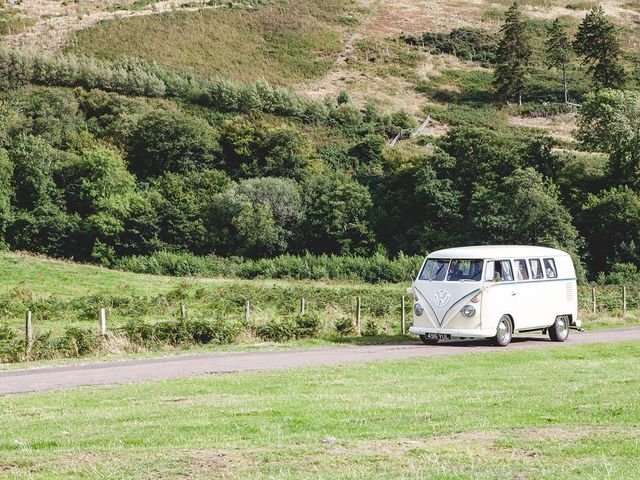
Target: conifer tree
[598,45]
[558,52]
[513,56]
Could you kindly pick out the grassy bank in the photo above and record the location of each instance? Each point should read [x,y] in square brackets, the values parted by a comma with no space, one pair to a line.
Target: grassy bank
[62,294]
[451,417]
[283,42]
[144,311]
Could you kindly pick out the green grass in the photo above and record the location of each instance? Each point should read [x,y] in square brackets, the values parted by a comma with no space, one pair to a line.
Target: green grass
[62,294]
[44,277]
[465,97]
[285,42]
[131,5]
[512,414]
[11,22]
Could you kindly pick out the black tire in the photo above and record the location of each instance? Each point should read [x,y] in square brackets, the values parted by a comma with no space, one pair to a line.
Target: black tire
[428,341]
[559,331]
[504,332]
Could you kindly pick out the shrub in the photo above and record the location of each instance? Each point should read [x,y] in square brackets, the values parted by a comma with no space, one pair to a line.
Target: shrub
[138,332]
[220,332]
[374,269]
[7,333]
[78,342]
[277,330]
[472,44]
[11,350]
[182,332]
[308,326]
[544,109]
[171,332]
[620,274]
[44,347]
[345,326]
[371,328]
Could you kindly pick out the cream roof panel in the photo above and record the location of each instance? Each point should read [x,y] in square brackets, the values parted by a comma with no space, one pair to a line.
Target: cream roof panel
[497,251]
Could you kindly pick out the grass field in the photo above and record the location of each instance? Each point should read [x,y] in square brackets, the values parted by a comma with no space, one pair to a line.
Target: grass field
[565,412]
[284,42]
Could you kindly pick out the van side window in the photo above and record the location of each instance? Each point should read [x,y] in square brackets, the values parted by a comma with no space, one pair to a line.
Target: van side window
[502,271]
[521,270]
[550,268]
[488,273]
[536,268]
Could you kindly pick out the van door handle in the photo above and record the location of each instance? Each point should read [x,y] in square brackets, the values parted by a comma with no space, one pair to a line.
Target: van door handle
[513,294]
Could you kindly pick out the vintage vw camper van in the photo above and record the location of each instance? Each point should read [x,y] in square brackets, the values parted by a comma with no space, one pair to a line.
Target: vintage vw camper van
[494,291]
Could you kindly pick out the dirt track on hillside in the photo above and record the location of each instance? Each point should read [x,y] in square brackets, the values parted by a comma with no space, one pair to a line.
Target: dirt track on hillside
[130,371]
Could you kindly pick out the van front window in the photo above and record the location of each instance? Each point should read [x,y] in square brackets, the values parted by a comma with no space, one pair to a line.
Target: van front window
[434,269]
[470,270]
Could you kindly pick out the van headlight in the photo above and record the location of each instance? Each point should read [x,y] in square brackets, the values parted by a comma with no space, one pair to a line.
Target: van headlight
[468,311]
[417,308]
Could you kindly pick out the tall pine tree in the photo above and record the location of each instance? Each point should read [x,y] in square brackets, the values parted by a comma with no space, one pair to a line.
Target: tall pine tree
[558,52]
[598,45]
[513,57]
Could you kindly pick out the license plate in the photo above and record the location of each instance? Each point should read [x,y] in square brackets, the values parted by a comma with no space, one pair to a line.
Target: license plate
[438,336]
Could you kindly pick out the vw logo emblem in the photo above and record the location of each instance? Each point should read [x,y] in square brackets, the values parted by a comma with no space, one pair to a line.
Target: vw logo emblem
[441,298]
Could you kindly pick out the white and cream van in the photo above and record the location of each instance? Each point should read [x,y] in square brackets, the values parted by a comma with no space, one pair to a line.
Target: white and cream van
[494,291]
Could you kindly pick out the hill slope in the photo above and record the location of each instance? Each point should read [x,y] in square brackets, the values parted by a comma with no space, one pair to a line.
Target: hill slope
[318,48]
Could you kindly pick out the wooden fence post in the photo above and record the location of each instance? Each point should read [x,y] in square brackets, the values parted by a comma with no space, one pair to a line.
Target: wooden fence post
[593,300]
[247,310]
[403,316]
[183,311]
[28,328]
[102,321]
[302,305]
[624,301]
[358,311]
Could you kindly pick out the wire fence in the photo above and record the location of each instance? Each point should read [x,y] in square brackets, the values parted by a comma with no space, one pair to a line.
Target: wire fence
[389,310]
[608,298]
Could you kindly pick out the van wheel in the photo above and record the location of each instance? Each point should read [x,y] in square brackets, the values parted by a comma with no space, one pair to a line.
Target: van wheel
[504,333]
[559,331]
[428,341]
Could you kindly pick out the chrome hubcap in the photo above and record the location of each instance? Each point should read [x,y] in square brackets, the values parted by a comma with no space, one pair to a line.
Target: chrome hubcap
[503,331]
[562,327]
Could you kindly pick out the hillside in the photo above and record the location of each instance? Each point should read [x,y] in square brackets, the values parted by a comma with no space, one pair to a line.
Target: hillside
[268,128]
[319,49]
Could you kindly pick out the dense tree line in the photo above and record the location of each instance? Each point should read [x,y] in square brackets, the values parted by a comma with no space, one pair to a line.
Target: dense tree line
[98,176]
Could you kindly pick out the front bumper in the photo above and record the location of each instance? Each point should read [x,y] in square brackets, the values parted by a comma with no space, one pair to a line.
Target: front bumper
[455,332]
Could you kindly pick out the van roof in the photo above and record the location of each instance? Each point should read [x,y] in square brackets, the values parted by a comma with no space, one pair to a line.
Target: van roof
[497,251]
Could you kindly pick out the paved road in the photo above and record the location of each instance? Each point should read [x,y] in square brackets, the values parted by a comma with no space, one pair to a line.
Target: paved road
[128,371]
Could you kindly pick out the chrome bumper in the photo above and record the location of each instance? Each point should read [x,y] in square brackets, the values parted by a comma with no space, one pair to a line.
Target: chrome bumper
[455,332]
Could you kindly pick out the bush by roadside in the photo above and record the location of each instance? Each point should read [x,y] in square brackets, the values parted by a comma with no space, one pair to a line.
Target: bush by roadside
[374,269]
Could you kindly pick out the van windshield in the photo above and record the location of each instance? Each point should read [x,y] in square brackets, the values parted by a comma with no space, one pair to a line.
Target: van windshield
[438,270]
[470,270]
[434,269]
